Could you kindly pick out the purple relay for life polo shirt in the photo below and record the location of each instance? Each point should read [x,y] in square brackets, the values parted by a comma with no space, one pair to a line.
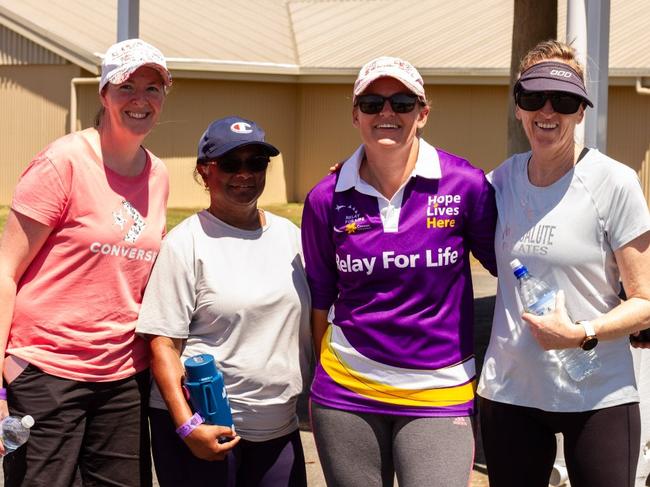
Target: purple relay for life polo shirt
[395,277]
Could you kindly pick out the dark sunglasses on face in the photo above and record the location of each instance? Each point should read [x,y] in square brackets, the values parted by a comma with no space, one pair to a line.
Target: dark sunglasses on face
[399,102]
[232,165]
[564,103]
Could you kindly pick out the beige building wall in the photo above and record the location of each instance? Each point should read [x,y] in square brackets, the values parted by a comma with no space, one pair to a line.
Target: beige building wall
[644,175]
[310,124]
[628,131]
[34,103]
[191,106]
[325,132]
[468,120]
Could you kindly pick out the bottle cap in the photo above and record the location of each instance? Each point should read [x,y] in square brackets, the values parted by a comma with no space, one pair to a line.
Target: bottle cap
[27,421]
[518,268]
[200,368]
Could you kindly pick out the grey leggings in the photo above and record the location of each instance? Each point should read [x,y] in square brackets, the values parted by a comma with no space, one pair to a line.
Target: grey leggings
[367,450]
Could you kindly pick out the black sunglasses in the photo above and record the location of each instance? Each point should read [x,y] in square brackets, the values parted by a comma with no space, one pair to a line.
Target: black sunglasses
[564,103]
[232,165]
[399,102]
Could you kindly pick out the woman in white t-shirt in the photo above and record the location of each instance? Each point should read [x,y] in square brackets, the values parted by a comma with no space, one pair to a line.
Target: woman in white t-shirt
[229,281]
[578,220]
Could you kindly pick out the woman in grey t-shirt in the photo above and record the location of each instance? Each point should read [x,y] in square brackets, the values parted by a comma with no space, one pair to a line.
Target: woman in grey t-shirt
[578,220]
[229,281]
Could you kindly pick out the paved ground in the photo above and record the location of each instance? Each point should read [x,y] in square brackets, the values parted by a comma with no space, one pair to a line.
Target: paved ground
[484,296]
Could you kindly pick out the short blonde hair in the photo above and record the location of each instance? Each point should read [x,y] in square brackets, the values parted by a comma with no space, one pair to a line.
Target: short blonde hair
[552,49]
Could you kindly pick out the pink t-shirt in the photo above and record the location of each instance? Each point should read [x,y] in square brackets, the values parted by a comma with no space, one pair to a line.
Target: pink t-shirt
[77,302]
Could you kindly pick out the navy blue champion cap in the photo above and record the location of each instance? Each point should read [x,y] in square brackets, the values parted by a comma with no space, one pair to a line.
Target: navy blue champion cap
[230,133]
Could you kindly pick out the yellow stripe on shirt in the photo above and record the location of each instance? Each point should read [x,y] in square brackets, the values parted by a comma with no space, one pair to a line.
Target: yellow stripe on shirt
[341,373]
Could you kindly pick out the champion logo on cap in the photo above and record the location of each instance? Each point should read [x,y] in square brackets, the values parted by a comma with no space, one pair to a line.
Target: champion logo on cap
[241,128]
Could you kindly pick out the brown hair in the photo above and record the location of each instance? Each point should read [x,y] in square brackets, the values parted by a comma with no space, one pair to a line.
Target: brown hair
[100,112]
[552,49]
[98,117]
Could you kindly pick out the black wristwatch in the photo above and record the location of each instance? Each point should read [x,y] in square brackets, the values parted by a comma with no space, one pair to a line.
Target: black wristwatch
[590,340]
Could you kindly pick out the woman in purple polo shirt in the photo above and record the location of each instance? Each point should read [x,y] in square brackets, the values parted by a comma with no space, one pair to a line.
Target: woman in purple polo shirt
[387,242]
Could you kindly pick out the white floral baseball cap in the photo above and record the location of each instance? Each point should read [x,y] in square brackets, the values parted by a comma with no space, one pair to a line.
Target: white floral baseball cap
[391,67]
[124,58]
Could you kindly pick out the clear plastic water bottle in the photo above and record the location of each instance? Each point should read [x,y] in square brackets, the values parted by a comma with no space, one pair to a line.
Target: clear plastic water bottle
[14,431]
[539,298]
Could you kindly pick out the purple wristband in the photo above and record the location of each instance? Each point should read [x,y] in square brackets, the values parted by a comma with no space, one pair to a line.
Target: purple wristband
[3,394]
[190,425]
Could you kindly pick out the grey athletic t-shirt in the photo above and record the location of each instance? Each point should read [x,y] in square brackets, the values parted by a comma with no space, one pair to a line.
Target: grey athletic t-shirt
[566,234]
[241,296]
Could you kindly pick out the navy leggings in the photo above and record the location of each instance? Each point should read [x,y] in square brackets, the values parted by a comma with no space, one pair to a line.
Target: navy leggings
[601,447]
[279,462]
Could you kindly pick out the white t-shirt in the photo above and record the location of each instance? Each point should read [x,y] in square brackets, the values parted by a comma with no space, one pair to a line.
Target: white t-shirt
[566,234]
[241,296]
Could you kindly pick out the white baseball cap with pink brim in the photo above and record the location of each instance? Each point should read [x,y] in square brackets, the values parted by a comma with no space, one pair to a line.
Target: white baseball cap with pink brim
[124,58]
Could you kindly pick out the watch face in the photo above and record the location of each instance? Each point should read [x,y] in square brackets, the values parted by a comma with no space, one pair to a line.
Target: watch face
[589,343]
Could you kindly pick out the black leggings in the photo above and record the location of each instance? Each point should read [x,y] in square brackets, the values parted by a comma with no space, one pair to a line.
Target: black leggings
[90,433]
[601,447]
[279,462]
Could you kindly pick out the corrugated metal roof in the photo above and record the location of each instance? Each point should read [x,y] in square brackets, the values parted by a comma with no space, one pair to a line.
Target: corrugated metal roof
[249,31]
[630,35]
[203,32]
[429,33]
[311,37]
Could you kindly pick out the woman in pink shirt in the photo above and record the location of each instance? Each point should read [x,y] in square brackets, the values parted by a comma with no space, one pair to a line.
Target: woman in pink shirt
[85,226]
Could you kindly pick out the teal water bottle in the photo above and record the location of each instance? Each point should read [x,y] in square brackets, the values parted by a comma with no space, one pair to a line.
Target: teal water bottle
[207,392]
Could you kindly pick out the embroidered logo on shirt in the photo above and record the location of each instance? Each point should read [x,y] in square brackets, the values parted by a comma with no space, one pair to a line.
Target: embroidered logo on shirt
[442,210]
[354,227]
[351,227]
[353,222]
